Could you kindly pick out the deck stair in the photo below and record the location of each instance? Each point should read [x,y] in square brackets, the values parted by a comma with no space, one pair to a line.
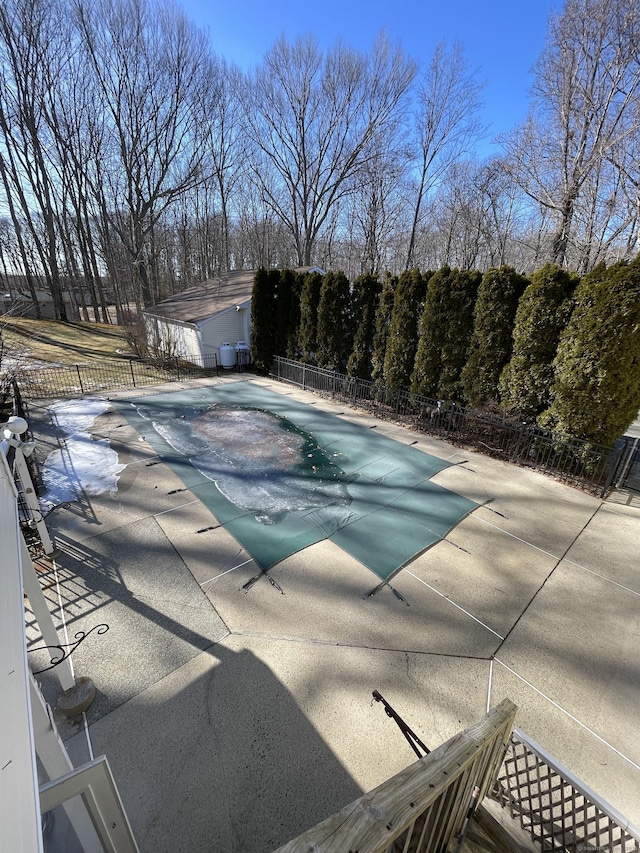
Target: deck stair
[424,807]
[527,802]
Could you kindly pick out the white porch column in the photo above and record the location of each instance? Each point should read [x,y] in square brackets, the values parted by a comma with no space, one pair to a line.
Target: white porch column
[43,616]
[56,762]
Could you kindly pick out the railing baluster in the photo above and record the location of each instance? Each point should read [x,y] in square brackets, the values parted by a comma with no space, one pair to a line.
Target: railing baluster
[558,810]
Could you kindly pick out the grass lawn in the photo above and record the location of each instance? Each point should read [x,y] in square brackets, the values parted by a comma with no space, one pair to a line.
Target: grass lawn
[50,341]
[41,354]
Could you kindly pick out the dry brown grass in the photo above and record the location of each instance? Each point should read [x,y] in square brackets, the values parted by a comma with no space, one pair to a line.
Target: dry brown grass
[52,342]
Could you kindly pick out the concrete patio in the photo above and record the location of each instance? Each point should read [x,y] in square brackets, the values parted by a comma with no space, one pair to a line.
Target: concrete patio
[236,718]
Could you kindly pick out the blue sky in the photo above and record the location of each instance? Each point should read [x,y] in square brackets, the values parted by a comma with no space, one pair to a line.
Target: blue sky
[501,38]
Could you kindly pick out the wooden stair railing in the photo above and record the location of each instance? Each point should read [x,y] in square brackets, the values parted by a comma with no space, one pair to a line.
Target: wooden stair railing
[422,808]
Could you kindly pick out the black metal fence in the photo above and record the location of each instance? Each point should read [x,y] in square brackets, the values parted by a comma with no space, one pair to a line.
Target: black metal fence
[79,379]
[583,464]
[586,465]
[628,473]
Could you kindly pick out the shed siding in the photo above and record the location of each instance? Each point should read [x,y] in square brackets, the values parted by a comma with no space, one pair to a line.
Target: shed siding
[228,326]
[173,338]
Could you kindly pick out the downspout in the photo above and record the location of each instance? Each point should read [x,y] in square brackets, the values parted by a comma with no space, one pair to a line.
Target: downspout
[246,320]
[200,343]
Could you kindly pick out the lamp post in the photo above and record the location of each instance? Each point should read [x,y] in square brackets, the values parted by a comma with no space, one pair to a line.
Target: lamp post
[14,426]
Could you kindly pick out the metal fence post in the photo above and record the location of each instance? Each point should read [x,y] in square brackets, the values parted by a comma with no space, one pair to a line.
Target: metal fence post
[450,424]
[514,455]
[133,378]
[621,468]
[79,377]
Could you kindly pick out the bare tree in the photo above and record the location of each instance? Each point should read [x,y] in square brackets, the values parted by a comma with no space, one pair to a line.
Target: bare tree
[315,120]
[228,148]
[375,212]
[461,213]
[70,109]
[20,256]
[502,214]
[29,44]
[587,81]
[155,76]
[625,158]
[446,126]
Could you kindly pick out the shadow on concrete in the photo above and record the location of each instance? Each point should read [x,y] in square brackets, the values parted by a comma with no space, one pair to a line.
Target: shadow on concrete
[131,579]
[209,749]
[219,756]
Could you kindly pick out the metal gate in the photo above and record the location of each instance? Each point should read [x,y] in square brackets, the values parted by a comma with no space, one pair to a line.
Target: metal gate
[628,473]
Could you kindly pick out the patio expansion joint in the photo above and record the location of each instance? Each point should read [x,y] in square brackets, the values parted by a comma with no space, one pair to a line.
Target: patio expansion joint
[548,576]
[555,556]
[318,641]
[568,714]
[454,604]
[132,519]
[176,553]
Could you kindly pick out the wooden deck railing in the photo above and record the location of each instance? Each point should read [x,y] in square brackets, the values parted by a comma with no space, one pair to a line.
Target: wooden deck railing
[422,808]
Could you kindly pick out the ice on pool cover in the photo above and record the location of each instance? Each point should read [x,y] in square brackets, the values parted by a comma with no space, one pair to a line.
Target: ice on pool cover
[259,462]
[82,464]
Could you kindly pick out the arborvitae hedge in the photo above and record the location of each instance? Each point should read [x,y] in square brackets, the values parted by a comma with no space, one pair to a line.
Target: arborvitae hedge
[587,386]
[383,322]
[403,329]
[454,347]
[492,339]
[596,389]
[309,301]
[365,296]
[335,326]
[293,332]
[263,319]
[543,312]
[286,310]
[433,327]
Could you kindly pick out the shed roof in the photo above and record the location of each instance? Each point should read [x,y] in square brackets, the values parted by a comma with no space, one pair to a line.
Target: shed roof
[211,297]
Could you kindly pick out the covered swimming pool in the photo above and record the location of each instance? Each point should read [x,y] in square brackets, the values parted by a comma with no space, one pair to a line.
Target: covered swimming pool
[281,475]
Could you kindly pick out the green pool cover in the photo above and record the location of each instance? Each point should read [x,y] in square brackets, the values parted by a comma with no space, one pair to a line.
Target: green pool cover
[281,475]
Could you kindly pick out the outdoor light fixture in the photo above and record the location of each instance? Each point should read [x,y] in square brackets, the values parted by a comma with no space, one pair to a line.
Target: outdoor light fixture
[14,426]
[13,430]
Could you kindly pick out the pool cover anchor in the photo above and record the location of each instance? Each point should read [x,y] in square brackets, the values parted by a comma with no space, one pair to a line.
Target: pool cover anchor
[409,734]
[393,590]
[247,586]
[455,545]
[494,511]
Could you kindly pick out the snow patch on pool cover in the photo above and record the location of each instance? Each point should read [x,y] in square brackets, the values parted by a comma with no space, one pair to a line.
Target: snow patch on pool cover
[82,464]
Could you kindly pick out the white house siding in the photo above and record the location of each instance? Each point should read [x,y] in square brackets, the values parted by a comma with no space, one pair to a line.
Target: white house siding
[230,325]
